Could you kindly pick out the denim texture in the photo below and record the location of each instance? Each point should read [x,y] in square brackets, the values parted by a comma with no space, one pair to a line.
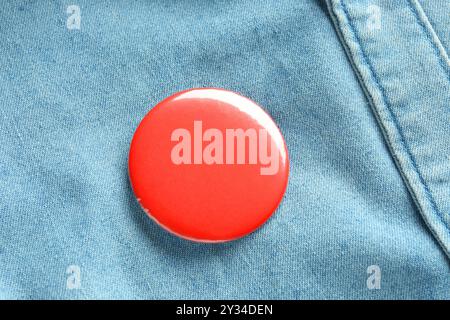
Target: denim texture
[70,100]
[410,96]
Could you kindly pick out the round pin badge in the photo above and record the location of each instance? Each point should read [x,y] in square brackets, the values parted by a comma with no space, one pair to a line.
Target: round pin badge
[208,165]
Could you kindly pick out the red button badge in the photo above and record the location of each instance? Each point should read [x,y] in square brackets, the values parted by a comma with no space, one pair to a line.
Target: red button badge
[208,165]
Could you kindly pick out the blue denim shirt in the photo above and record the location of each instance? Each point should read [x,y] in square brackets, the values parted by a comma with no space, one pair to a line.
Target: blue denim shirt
[359,89]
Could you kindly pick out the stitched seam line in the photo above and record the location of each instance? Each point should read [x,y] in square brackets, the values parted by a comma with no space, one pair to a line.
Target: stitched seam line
[431,225]
[434,45]
[428,193]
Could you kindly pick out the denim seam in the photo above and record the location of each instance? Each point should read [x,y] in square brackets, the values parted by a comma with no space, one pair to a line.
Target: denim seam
[402,141]
[440,56]
[392,115]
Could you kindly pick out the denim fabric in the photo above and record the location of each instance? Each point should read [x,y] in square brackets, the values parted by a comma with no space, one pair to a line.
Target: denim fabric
[434,11]
[410,96]
[71,98]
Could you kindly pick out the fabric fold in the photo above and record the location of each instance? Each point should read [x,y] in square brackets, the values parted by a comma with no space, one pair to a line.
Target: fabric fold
[405,73]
